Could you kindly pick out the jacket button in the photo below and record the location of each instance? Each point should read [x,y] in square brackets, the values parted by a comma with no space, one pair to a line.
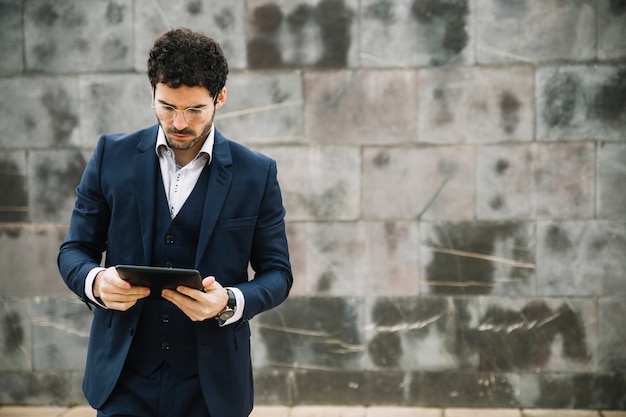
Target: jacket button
[165,346]
[166,318]
[169,239]
[169,264]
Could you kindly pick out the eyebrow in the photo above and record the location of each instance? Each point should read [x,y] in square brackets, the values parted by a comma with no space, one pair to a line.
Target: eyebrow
[197,106]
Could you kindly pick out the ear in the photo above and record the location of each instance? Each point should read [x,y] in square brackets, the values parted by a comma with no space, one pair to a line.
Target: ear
[221,98]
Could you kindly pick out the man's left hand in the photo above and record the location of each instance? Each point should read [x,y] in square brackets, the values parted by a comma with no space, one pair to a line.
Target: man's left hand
[198,305]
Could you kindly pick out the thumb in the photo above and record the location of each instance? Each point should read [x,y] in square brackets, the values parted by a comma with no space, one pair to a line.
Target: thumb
[208,282]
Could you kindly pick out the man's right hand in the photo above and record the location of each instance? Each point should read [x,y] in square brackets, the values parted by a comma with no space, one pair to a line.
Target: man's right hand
[115,293]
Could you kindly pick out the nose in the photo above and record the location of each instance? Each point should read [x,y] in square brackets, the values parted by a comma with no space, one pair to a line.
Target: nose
[179,121]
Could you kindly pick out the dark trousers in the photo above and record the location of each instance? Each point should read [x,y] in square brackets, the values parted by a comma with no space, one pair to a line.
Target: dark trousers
[160,394]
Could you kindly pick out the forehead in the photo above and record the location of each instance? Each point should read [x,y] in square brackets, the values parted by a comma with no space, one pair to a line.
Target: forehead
[182,96]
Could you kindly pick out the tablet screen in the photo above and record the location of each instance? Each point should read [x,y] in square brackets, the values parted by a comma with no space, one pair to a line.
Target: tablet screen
[157,278]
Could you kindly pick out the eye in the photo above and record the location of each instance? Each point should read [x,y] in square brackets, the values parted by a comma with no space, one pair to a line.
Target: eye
[194,112]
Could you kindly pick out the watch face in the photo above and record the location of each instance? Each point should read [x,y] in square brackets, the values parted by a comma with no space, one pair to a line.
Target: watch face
[225,315]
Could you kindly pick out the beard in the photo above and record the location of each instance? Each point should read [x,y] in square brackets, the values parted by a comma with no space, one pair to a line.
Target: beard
[198,139]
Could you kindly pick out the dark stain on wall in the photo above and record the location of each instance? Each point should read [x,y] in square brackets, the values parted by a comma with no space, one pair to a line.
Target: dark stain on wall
[460,265]
[225,19]
[443,115]
[14,195]
[557,239]
[515,340]
[381,10]
[502,165]
[609,103]
[57,102]
[58,182]
[115,13]
[453,15]
[497,202]
[307,332]
[194,7]
[12,332]
[617,7]
[332,17]
[382,159]
[509,111]
[560,95]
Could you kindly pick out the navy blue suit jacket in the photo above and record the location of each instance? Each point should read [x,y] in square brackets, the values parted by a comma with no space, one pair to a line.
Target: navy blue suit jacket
[243,221]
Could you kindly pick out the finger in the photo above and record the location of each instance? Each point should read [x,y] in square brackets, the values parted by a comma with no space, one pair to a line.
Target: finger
[208,282]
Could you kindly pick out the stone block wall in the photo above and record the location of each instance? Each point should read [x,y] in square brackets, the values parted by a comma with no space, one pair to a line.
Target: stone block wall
[454,173]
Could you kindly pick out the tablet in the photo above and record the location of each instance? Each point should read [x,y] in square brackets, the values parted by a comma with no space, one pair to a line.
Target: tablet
[157,278]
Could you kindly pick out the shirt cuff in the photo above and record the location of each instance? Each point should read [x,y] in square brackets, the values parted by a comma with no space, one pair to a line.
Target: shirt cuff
[91,277]
[241,302]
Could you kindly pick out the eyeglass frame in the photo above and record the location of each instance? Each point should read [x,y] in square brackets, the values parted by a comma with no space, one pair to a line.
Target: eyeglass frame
[176,111]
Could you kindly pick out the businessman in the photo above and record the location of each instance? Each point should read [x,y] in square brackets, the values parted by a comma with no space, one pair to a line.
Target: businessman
[176,194]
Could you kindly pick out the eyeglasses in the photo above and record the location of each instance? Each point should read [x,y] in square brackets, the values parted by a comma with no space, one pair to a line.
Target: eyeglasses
[167,113]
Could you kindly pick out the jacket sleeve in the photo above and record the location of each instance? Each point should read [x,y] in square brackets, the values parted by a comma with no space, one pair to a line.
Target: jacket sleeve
[270,255]
[85,240]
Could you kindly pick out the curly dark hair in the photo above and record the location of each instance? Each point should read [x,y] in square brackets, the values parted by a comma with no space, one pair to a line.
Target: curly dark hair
[182,56]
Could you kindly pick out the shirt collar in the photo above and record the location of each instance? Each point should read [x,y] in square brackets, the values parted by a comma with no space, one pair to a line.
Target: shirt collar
[207,147]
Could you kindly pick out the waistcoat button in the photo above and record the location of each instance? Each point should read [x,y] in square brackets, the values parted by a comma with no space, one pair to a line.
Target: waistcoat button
[165,346]
[169,239]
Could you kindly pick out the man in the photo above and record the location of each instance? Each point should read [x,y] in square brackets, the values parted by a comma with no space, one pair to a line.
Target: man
[177,194]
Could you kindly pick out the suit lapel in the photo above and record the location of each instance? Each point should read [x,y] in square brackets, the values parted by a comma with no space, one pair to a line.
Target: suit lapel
[146,167]
[219,184]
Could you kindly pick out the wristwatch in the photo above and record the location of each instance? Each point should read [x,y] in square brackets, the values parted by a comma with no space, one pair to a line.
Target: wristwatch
[230,308]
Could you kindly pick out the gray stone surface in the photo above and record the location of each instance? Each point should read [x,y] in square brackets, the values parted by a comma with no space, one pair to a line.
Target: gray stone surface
[225,21]
[361,107]
[476,105]
[419,183]
[581,103]
[432,33]
[263,108]
[611,175]
[535,31]
[536,181]
[11,36]
[60,35]
[611,30]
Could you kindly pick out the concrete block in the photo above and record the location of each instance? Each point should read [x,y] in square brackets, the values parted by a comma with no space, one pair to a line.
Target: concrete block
[60,333]
[16,334]
[39,112]
[536,181]
[14,184]
[469,258]
[481,412]
[476,105]
[611,30]
[224,21]
[581,103]
[430,334]
[361,107]
[318,183]
[113,103]
[458,389]
[39,411]
[612,335]
[33,388]
[307,33]
[262,108]
[328,411]
[321,387]
[581,258]
[560,413]
[355,258]
[28,260]
[429,183]
[52,179]
[80,411]
[404,412]
[312,333]
[534,31]
[409,33]
[611,181]
[552,335]
[59,36]
[11,36]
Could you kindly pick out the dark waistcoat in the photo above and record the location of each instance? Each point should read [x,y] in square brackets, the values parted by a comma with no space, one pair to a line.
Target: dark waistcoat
[164,333]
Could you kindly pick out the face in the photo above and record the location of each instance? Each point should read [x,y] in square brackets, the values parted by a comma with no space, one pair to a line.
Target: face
[180,134]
